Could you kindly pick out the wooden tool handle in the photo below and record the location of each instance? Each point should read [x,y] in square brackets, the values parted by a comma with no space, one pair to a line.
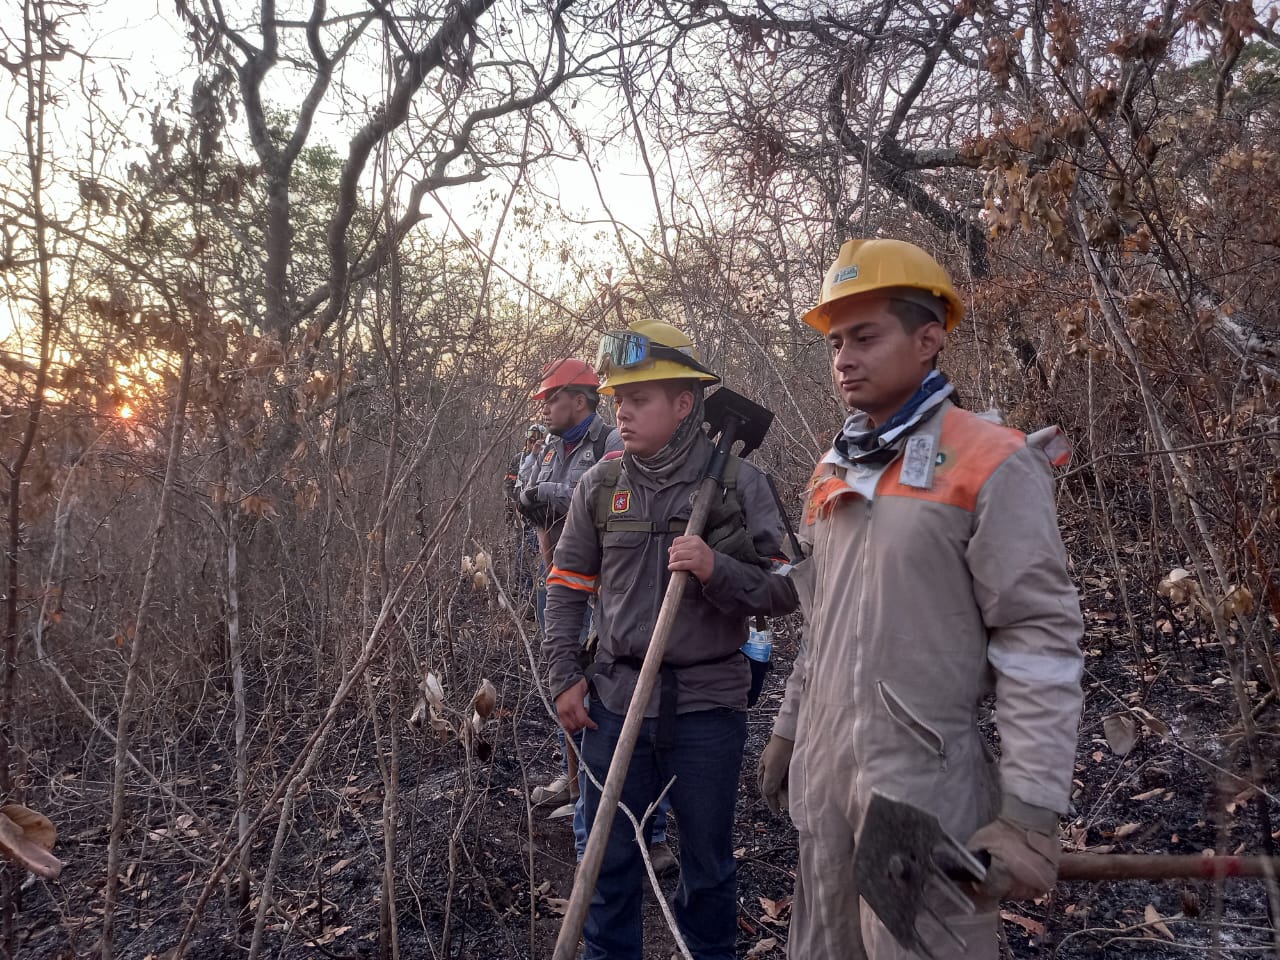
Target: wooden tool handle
[1135,866]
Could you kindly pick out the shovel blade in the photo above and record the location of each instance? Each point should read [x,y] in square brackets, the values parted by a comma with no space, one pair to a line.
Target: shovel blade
[898,863]
[752,420]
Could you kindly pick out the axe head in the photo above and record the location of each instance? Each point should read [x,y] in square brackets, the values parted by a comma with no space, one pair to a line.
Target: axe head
[904,863]
[751,421]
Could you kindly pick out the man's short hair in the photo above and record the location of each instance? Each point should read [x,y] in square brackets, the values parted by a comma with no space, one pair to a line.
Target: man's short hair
[592,396]
[674,388]
[912,315]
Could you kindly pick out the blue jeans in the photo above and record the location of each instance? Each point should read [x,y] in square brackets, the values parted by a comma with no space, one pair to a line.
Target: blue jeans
[580,831]
[706,761]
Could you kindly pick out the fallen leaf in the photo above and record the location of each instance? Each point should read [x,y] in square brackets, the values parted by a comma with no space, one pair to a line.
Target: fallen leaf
[1151,917]
[338,867]
[333,934]
[1033,927]
[1126,830]
[1148,794]
[1121,732]
[775,910]
[762,947]
[1152,722]
[556,905]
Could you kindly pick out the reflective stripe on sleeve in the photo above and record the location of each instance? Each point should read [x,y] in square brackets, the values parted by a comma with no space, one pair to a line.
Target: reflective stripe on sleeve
[574,581]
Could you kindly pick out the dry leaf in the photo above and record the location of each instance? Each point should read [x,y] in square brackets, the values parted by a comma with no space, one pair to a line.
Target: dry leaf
[36,827]
[1179,586]
[338,867]
[775,910]
[1151,917]
[16,847]
[333,934]
[482,562]
[1237,603]
[432,689]
[1241,799]
[486,699]
[762,947]
[1152,722]
[1126,830]
[556,905]
[1033,927]
[1148,794]
[1121,733]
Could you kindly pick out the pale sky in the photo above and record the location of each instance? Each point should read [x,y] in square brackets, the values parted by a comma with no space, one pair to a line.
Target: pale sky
[140,46]
[138,55]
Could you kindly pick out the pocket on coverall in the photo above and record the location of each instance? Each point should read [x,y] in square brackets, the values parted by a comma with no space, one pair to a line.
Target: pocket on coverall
[901,713]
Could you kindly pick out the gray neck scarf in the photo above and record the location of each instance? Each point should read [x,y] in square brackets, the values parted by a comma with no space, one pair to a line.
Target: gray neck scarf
[663,465]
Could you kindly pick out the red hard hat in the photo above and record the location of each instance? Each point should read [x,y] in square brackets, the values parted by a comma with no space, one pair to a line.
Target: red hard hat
[569,372]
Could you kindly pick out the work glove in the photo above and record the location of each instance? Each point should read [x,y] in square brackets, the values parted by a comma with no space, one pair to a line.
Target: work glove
[529,498]
[771,773]
[1024,848]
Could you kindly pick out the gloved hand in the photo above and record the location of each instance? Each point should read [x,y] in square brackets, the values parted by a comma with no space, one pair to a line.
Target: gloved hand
[1024,848]
[529,497]
[771,773]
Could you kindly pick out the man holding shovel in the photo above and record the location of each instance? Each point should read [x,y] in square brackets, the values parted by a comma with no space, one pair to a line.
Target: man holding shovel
[622,546]
[937,576]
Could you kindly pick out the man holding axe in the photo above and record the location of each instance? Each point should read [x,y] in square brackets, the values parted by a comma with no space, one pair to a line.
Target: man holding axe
[937,576]
[624,539]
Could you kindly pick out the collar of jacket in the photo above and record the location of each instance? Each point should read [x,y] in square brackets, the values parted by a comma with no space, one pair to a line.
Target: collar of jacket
[690,471]
[597,427]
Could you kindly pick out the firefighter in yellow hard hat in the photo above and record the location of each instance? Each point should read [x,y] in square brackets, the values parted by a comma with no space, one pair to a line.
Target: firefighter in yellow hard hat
[957,589]
[623,538]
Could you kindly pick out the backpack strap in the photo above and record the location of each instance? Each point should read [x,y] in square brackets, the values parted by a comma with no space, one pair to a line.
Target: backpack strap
[601,444]
[610,472]
[609,484]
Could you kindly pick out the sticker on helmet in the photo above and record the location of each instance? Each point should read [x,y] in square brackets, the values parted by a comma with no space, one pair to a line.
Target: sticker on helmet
[846,273]
[621,502]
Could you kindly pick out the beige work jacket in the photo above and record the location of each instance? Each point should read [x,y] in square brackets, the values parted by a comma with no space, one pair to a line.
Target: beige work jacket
[949,583]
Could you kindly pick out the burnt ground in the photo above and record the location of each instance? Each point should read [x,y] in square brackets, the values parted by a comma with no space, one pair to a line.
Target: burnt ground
[471,852]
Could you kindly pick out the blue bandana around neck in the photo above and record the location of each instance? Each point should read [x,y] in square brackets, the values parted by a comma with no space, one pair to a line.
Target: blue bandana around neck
[856,444]
[574,434]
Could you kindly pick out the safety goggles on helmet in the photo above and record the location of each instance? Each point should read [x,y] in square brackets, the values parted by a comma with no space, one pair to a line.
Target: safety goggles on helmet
[626,350]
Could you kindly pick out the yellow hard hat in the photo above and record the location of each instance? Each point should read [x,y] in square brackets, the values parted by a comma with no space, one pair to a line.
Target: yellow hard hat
[868,266]
[648,350]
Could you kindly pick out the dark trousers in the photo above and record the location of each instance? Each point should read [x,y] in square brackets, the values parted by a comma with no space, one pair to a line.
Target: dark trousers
[706,761]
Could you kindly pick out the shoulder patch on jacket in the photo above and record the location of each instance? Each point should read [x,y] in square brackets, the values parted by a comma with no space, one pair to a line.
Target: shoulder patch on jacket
[546,457]
[970,450]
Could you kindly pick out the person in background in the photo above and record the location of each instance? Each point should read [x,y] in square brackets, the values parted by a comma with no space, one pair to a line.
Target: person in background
[528,575]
